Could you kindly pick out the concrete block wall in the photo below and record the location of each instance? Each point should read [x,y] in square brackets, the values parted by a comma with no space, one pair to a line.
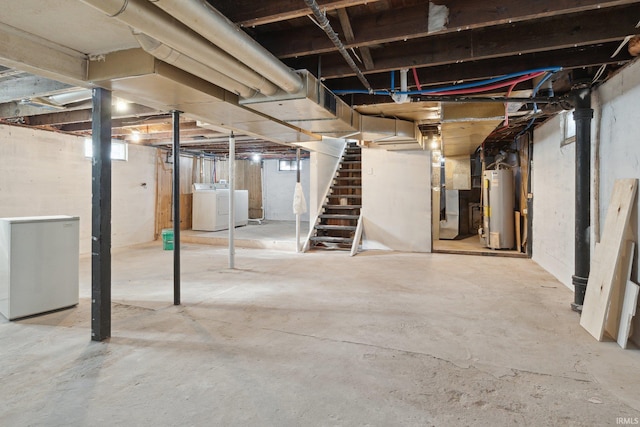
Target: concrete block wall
[278,190]
[615,155]
[616,130]
[553,188]
[46,173]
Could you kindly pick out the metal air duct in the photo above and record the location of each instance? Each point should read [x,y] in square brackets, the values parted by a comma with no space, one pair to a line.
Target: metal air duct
[153,22]
[215,27]
[316,109]
[173,57]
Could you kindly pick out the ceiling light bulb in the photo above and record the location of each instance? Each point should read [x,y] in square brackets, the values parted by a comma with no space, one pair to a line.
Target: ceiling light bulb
[121,105]
[435,144]
[255,157]
[135,136]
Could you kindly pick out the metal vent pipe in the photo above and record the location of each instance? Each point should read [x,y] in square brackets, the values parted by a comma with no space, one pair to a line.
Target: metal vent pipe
[201,17]
[152,21]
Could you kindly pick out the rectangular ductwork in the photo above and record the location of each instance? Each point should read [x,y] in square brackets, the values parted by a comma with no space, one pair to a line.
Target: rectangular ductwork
[316,109]
[391,134]
[313,108]
[139,77]
[285,118]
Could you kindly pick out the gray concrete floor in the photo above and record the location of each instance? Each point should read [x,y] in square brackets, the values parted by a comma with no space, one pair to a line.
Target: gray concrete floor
[279,235]
[317,339]
[471,246]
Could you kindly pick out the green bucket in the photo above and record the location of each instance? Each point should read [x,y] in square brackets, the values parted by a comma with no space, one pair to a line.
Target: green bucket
[167,239]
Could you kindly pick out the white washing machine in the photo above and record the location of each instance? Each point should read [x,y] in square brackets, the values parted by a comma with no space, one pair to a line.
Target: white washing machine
[211,207]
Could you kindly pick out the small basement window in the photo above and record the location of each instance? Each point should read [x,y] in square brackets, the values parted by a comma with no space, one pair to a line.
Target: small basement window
[287,165]
[119,150]
[568,128]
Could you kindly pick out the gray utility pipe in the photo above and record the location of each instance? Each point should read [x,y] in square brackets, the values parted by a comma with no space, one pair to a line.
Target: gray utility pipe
[326,26]
[215,27]
[150,20]
[582,115]
[173,57]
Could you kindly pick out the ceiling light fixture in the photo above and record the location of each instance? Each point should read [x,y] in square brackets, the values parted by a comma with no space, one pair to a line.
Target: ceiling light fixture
[121,105]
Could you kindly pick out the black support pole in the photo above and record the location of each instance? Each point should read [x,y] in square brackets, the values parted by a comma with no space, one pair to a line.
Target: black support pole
[582,115]
[101,216]
[176,206]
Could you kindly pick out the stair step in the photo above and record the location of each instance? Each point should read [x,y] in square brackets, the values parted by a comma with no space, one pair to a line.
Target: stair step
[335,227]
[346,187]
[341,207]
[351,156]
[350,170]
[346,196]
[342,178]
[351,162]
[339,216]
[330,239]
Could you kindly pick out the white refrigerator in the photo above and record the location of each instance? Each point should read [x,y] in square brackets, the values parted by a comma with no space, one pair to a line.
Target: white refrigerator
[39,264]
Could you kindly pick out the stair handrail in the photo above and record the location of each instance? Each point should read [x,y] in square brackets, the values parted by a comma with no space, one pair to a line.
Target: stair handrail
[305,247]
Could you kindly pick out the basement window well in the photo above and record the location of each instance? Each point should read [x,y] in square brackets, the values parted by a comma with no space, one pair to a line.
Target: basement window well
[288,165]
[119,150]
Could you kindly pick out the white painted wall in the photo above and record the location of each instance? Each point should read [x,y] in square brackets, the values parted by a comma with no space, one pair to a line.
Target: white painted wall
[278,190]
[323,167]
[619,109]
[553,187]
[46,173]
[616,126]
[396,200]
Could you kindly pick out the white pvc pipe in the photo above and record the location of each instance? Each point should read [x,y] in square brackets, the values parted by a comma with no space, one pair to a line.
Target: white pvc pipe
[152,21]
[215,27]
[232,199]
[404,87]
[171,56]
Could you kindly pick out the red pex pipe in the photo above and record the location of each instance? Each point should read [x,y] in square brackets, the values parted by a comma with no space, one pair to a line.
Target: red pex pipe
[490,87]
[415,77]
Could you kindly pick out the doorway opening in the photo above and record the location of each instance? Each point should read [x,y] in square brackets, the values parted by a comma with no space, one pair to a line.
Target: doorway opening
[481,200]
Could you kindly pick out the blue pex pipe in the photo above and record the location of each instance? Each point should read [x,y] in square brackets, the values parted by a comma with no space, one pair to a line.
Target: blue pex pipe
[454,87]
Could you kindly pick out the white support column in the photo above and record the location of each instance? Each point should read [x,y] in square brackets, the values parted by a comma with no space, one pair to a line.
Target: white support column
[298,213]
[232,199]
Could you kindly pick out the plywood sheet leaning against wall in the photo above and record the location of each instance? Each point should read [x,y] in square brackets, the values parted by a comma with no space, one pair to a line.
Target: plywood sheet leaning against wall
[629,308]
[618,290]
[165,190]
[606,259]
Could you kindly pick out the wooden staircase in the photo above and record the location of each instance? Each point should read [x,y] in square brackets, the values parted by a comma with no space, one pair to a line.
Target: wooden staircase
[336,225]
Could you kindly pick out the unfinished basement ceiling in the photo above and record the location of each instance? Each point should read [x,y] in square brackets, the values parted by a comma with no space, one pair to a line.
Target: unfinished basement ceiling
[441,43]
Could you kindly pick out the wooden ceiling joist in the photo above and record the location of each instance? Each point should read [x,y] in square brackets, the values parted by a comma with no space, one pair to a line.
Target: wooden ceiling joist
[249,13]
[513,40]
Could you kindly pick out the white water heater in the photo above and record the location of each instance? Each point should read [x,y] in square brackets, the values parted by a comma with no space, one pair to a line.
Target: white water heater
[498,215]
